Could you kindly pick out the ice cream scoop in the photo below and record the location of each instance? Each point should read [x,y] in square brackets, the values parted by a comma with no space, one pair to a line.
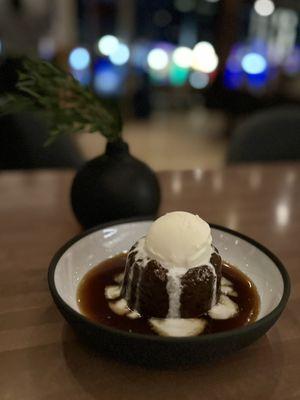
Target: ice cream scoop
[179,240]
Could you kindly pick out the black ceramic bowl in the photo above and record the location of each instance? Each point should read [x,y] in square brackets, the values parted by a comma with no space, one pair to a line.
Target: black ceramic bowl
[85,251]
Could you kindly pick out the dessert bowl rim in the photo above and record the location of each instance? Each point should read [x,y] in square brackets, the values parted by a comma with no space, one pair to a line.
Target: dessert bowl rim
[155,338]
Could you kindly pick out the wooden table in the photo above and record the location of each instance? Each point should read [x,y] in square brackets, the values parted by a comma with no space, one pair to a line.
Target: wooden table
[41,359]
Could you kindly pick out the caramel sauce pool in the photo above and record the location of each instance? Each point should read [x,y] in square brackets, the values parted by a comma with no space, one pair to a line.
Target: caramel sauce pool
[94,305]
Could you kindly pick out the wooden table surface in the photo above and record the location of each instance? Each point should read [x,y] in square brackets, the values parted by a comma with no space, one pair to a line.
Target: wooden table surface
[40,357]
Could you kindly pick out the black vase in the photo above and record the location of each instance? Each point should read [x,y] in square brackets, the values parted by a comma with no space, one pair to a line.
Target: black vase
[112,186]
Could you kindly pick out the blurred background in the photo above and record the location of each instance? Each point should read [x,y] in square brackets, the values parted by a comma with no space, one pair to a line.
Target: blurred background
[200,82]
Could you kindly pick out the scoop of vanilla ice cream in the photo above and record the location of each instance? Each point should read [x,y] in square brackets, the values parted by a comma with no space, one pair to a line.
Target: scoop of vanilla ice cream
[179,239]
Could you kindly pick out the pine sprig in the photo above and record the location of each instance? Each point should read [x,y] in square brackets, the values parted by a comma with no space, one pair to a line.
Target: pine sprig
[70,107]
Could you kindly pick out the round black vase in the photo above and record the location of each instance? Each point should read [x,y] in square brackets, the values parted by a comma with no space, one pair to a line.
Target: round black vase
[112,186]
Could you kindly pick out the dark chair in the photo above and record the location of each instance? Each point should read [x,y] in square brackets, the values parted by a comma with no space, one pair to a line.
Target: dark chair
[272,135]
[22,138]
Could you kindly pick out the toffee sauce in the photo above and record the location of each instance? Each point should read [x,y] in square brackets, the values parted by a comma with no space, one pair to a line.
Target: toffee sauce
[93,304]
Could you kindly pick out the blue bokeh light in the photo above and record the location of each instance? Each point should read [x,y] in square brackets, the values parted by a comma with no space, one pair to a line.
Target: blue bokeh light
[108,78]
[233,80]
[79,58]
[83,75]
[121,55]
[107,82]
[254,63]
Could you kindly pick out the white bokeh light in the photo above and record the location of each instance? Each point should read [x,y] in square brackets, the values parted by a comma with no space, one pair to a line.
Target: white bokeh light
[264,8]
[183,57]
[282,213]
[205,58]
[108,44]
[158,59]
[121,54]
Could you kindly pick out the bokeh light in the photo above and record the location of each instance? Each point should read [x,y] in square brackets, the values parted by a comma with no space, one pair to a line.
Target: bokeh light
[139,53]
[158,59]
[121,54]
[198,80]
[79,58]
[254,63]
[108,78]
[234,60]
[83,76]
[264,8]
[183,57]
[233,80]
[177,75]
[106,82]
[108,44]
[205,58]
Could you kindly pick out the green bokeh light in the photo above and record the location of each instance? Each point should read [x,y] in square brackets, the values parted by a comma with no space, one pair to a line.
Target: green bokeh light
[178,75]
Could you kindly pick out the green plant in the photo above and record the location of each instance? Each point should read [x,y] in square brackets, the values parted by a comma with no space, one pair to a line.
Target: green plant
[68,106]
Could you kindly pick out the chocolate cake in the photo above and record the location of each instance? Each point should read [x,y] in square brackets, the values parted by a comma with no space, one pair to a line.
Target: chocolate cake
[156,291]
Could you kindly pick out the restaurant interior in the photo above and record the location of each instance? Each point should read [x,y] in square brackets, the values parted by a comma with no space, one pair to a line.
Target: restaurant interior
[191,76]
[114,113]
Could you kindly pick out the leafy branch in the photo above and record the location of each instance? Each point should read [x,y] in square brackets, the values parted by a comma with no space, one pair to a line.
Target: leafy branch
[69,107]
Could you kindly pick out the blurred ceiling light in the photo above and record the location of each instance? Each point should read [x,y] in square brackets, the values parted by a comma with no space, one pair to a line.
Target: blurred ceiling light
[121,54]
[254,63]
[205,58]
[185,5]
[183,57]
[198,80]
[162,18]
[158,59]
[79,58]
[212,1]
[108,44]
[264,8]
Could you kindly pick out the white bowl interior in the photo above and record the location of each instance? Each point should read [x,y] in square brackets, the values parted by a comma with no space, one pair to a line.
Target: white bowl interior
[90,250]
